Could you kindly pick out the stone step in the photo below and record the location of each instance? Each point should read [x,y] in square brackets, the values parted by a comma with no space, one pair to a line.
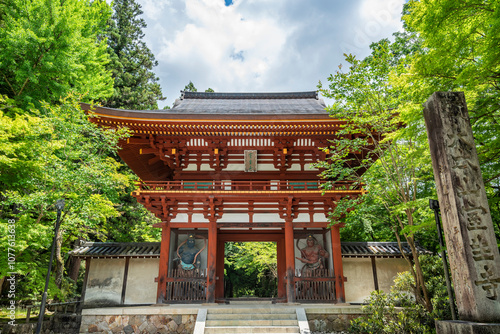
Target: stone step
[252,323]
[251,329]
[263,310]
[252,316]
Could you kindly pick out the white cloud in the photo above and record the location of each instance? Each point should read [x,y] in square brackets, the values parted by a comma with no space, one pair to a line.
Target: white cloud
[260,45]
[222,46]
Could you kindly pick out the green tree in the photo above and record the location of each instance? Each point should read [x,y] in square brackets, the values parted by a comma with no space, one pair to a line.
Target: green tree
[50,48]
[190,87]
[135,84]
[135,87]
[460,51]
[250,269]
[133,223]
[396,312]
[54,153]
[373,148]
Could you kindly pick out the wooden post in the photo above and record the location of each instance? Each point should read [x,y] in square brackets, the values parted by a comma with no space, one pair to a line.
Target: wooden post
[219,285]
[164,261]
[84,288]
[281,264]
[337,264]
[375,276]
[467,223]
[290,260]
[211,260]
[125,279]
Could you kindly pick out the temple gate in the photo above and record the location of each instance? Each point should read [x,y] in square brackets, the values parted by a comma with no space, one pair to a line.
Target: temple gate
[223,167]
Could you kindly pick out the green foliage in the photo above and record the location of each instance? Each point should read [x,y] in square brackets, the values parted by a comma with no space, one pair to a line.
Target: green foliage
[461,51]
[391,313]
[56,154]
[397,312]
[190,87]
[432,267]
[134,223]
[135,84]
[50,48]
[250,269]
[366,220]
[376,149]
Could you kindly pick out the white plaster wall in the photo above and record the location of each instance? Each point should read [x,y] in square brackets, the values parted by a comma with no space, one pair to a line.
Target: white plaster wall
[359,275]
[141,285]
[105,281]
[387,270]
[243,218]
[360,282]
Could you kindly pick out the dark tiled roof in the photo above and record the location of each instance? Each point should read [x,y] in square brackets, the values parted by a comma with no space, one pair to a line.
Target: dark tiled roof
[152,249]
[117,249]
[249,96]
[249,103]
[377,249]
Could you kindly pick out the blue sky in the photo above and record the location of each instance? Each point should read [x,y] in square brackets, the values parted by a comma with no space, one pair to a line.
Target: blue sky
[260,45]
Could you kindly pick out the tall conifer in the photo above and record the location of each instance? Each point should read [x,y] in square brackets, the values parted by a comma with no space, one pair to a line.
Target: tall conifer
[136,85]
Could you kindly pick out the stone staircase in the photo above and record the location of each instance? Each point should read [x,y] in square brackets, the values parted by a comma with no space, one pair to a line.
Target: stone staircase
[242,320]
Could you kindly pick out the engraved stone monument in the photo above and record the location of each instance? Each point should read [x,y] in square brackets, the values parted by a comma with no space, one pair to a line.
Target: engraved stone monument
[470,238]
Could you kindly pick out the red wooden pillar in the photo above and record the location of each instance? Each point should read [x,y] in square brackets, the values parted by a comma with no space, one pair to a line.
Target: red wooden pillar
[164,260]
[281,263]
[290,261]
[337,264]
[211,261]
[219,285]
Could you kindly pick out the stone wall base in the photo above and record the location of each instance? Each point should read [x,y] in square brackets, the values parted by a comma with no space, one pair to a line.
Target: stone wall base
[141,323]
[330,322]
[465,327]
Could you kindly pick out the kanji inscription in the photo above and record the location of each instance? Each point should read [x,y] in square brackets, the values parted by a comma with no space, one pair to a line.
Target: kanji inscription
[250,160]
[470,238]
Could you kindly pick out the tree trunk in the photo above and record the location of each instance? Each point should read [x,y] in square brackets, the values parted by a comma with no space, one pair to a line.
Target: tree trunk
[59,266]
[420,276]
[74,264]
[2,280]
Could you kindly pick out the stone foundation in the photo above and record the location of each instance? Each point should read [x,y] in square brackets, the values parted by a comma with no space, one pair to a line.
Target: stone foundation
[128,324]
[330,322]
[466,327]
[331,319]
[181,319]
[142,320]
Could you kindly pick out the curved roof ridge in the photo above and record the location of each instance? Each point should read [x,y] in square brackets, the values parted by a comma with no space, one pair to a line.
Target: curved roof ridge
[249,96]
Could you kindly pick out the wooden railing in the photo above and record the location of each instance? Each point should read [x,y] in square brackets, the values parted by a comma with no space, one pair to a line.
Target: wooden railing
[278,185]
[73,306]
[186,286]
[315,286]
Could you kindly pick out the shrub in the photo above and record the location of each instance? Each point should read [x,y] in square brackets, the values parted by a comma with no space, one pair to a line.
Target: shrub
[398,312]
[392,313]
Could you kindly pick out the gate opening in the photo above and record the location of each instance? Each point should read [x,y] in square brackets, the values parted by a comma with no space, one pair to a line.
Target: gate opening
[250,270]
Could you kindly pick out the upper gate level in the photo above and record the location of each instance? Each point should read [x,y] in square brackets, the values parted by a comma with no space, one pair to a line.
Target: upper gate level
[228,136]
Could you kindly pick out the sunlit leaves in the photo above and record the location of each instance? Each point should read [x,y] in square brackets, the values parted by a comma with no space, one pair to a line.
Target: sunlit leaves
[57,154]
[461,52]
[49,48]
